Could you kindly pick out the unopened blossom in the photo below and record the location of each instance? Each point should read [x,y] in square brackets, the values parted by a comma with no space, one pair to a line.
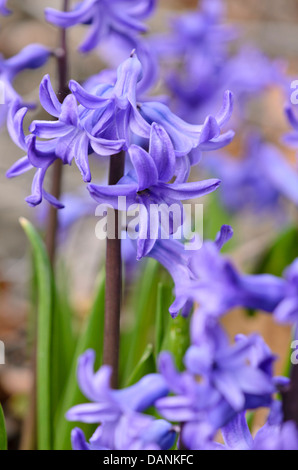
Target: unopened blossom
[103,18]
[119,411]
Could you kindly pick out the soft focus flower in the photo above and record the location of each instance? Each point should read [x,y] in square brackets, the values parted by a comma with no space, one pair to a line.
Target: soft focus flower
[31,57]
[287,310]
[133,431]
[219,286]
[119,411]
[3,9]
[220,381]
[232,370]
[272,436]
[104,17]
[291,139]
[258,180]
[196,52]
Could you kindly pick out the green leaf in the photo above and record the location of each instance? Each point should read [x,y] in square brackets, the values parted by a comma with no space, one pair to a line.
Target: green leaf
[3,436]
[280,254]
[63,339]
[214,217]
[44,331]
[145,366]
[164,300]
[177,339]
[143,319]
[91,338]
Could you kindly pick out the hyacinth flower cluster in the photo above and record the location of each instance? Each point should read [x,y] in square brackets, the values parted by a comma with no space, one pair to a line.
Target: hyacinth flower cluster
[104,18]
[200,65]
[200,42]
[221,381]
[108,120]
[123,426]
[113,114]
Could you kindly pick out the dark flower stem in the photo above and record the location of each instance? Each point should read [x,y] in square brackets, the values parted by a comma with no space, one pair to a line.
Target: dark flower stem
[52,222]
[290,398]
[113,279]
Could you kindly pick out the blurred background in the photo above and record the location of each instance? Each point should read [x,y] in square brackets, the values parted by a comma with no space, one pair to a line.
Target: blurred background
[272,26]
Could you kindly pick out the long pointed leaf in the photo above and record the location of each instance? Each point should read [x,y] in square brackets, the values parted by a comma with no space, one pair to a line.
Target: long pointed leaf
[92,337]
[3,436]
[44,330]
[145,366]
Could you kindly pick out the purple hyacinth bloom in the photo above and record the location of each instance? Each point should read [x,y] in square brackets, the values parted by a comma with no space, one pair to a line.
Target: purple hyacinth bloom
[272,436]
[199,44]
[133,431]
[173,256]
[219,286]
[112,107]
[70,133]
[31,57]
[118,46]
[257,181]
[192,403]
[186,137]
[148,185]
[119,411]
[287,310]
[41,152]
[109,405]
[291,139]
[104,17]
[3,8]
[241,372]
[220,380]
